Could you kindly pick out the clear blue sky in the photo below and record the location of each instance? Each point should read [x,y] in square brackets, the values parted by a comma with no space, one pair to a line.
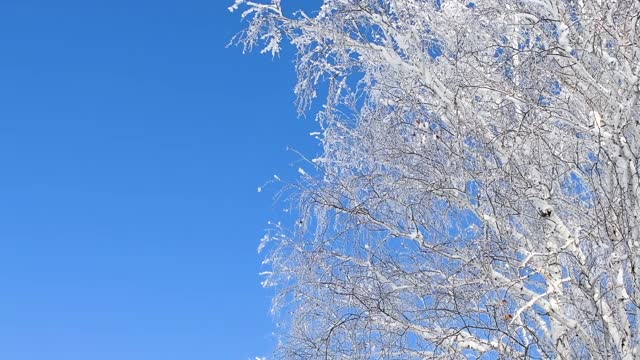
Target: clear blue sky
[131,146]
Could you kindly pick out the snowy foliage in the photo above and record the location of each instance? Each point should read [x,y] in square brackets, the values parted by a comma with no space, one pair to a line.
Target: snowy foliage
[478,192]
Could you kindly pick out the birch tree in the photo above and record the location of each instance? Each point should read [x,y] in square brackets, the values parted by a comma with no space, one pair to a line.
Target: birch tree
[477,195]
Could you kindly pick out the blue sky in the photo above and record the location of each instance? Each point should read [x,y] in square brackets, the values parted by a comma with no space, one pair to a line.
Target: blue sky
[131,146]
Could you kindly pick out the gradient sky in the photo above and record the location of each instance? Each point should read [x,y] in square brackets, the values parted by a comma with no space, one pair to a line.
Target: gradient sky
[131,146]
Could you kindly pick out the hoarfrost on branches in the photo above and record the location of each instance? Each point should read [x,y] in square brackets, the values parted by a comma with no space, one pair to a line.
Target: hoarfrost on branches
[478,191]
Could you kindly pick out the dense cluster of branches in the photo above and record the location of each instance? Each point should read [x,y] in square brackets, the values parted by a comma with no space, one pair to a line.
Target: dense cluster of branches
[478,192]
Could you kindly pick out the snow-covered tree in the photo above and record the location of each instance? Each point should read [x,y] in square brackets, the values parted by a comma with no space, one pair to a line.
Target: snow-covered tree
[477,195]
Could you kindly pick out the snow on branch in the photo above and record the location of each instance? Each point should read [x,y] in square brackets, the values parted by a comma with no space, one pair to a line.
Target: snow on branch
[477,193]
